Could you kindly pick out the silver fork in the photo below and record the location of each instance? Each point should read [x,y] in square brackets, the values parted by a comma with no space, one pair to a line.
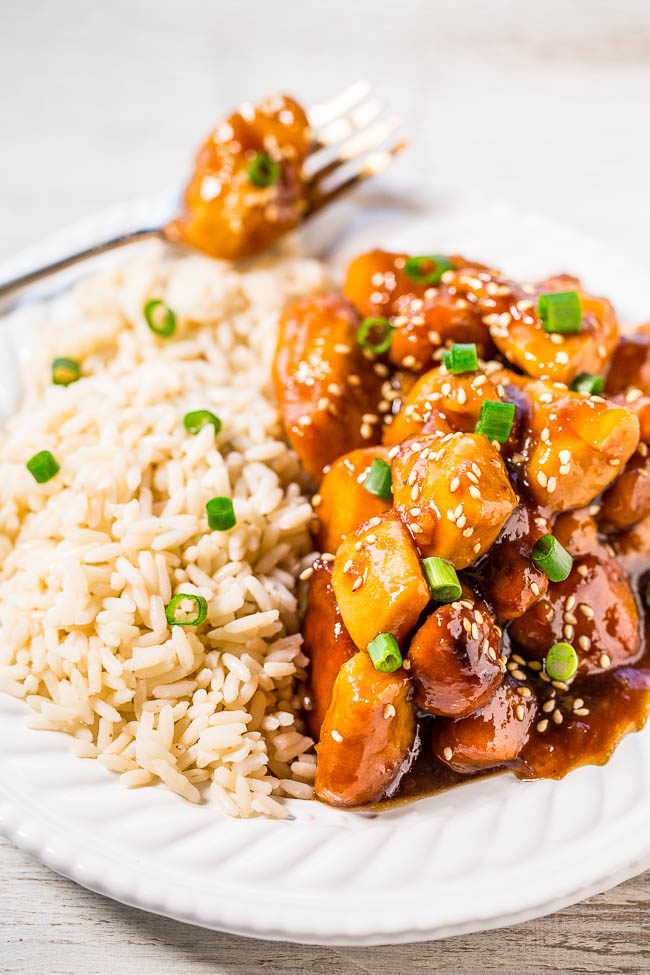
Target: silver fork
[352,141]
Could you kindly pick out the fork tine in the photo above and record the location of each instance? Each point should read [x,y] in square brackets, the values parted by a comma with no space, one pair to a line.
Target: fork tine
[320,115]
[341,128]
[375,162]
[360,143]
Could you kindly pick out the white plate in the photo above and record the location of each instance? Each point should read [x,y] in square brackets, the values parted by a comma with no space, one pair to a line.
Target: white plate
[482,855]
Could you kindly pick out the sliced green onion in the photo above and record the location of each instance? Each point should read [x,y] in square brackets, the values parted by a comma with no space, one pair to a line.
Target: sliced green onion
[428,269]
[263,171]
[195,421]
[496,420]
[442,579]
[379,479]
[201,610]
[42,466]
[385,653]
[552,558]
[586,383]
[384,338]
[221,514]
[560,311]
[561,662]
[461,357]
[160,318]
[65,371]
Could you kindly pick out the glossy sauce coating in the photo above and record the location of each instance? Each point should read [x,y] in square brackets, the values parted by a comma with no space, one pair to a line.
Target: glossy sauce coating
[327,643]
[225,214]
[368,735]
[326,391]
[344,503]
[454,658]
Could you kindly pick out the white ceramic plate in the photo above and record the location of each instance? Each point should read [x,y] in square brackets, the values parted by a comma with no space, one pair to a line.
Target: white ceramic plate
[483,855]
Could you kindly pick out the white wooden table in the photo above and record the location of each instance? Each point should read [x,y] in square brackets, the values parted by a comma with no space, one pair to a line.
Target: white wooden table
[545,104]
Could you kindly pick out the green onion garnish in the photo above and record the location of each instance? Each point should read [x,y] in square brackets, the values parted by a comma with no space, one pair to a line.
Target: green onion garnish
[586,383]
[561,662]
[442,579]
[552,558]
[195,421]
[379,479]
[201,610]
[496,420]
[160,318]
[263,171]
[384,338]
[65,371]
[461,357]
[42,466]
[384,653]
[221,514]
[560,312]
[428,269]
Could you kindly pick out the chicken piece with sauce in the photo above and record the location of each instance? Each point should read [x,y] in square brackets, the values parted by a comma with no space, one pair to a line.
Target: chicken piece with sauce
[327,390]
[247,189]
[425,312]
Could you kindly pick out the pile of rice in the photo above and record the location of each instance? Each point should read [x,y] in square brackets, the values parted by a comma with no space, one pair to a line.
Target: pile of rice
[90,560]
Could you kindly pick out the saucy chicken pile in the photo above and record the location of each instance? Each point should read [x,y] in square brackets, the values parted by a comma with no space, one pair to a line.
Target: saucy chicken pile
[483,511]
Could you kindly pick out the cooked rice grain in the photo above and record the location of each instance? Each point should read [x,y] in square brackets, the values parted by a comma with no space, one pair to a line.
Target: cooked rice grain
[92,557]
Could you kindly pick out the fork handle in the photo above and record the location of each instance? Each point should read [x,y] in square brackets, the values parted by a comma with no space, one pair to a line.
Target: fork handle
[11,290]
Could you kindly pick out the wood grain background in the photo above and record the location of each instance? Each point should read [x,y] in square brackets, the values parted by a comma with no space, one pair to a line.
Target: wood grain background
[545,104]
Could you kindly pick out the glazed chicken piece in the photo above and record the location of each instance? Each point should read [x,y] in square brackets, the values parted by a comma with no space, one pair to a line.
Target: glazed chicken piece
[247,189]
[454,658]
[327,643]
[442,402]
[632,547]
[426,313]
[639,404]
[627,500]
[453,493]
[344,501]
[629,366]
[327,391]
[576,444]
[368,736]
[593,609]
[490,737]
[506,575]
[378,581]
[510,311]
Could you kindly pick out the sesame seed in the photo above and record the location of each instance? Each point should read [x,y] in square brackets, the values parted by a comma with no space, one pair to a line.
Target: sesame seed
[557,717]
[337,736]
[354,380]
[583,570]
[348,565]
[524,691]
[415,491]
[358,582]
[366,431]
[535,665]
[561,686]
[548,706]
[371,539]
[448,753]
[534,588]
[577,703]
[370,418]
[467,626]
[542,480]
[474,631]
[381,369]
[583,712]
[474,492]
[604,661]
[520,712]
[545,434]
[568,631]
[584,642]
[552,484]
[455,484]
[478,616]
[460,522]
[389,711]
[406,665]
[542,725]
[373,522]
[570,618]
[586,611]
[306,573]
[518,674]
[329,557]
[477,548]
[342,349]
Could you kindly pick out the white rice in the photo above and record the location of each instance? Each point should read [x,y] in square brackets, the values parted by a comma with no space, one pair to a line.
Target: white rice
[89,560]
